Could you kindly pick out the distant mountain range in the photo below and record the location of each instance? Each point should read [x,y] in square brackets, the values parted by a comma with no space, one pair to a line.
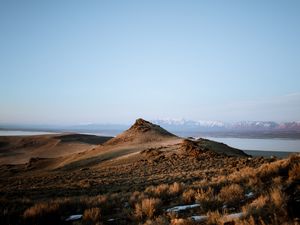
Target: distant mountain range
[192,125]
[182,127]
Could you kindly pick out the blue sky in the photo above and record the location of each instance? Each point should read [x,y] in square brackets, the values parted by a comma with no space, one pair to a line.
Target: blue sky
[70,62]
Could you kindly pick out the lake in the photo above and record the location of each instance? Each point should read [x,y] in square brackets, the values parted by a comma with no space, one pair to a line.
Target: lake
[290,145]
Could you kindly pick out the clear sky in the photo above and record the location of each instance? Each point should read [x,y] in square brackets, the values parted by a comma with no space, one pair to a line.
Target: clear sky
[71,62]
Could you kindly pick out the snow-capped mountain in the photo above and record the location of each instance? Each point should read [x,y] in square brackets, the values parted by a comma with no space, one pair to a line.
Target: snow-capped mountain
[267,125]
[290,125]
[210,123]
[254,125]
[202,125]
[189,123]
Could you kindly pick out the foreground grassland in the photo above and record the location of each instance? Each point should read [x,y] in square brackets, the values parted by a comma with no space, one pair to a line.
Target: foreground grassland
[267,194]
[149,176]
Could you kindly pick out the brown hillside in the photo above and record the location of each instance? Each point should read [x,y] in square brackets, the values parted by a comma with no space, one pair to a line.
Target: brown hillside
[19,149]
[140,136]
[141,131]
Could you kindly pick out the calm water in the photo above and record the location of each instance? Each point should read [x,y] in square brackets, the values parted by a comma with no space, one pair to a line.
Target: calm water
[283,145]
[21,133]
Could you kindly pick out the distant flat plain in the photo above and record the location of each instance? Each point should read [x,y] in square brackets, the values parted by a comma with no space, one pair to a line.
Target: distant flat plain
[22,133]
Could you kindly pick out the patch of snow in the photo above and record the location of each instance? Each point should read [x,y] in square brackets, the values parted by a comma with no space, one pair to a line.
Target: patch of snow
[249,195]
[210,123]
[234,216]
[199,218]
[169,121]
[74,217]
[182,207]
[189,123]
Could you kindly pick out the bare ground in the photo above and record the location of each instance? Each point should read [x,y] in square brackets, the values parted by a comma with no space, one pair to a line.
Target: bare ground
[135,177]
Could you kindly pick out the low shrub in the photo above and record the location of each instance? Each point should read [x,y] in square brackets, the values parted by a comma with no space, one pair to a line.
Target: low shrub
[147,208]
[207,199]
[43,213]
[189,196]
[175,188]
[231,194]
[294,172]
[160,191]
[92,216]
[277,198]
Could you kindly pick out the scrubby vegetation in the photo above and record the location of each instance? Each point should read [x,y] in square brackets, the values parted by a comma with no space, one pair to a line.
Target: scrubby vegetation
[267,194]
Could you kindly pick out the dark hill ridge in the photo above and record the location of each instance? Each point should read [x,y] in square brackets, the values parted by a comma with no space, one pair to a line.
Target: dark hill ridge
[201,146]
[142,131]
[192,149]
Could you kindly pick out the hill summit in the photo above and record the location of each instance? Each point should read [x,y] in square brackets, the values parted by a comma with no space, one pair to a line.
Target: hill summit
[142,131]
[143,126]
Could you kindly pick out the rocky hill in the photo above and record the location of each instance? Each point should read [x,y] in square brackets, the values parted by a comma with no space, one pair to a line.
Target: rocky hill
[142,131]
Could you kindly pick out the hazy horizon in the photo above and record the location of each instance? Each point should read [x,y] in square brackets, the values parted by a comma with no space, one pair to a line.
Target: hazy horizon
[130,122]
[72,62]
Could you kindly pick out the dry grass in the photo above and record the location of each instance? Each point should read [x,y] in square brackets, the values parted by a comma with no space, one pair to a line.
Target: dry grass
[92,216]
[147,208]
[277,181]
[153,187]
[42,209]
[164,191]
[175,188]
[271,169]
[254,182]
[181,222]
[161,220]
[214,218]
[231,194]
[294,172]
[277,197]
[204,195]
[189,196]
[46,212]
[136,197]
[256,207]
[98,200]
[247,221]
[207,199]
[160,191]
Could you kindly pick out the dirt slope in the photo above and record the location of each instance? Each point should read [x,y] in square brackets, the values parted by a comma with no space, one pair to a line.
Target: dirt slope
[140,136]
[19,149]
